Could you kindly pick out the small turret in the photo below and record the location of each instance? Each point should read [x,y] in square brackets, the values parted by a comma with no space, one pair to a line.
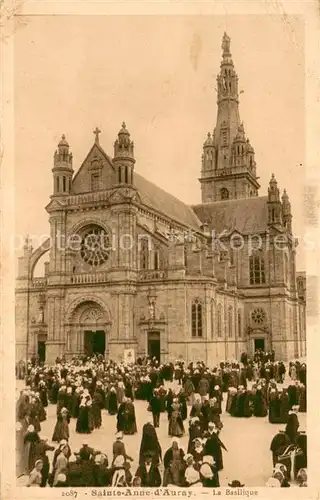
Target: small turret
[274,203]
[124,156]
[286,211]
[62,169]
[208,157]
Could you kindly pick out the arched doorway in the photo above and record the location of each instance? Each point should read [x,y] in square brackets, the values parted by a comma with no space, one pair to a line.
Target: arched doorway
[88,329]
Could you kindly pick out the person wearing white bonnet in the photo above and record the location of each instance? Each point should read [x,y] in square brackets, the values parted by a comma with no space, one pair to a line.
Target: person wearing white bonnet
[35,476]
[119,449]
[113,402]
[213,445]
[273,483]
[208,476]
[208,459]
[192,477]
[31,442]
[72,459]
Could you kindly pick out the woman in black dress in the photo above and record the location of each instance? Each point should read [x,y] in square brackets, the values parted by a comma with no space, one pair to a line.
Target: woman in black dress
[83,424]
[150,444]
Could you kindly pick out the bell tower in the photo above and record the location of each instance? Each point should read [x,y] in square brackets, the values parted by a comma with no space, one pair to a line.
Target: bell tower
[124,157]
[62,169]
[228,163]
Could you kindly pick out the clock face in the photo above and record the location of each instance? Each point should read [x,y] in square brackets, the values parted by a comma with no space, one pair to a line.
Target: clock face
[95,246]
[258,316]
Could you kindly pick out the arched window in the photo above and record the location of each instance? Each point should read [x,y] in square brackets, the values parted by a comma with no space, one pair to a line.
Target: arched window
[196,319]
[273,212]
[224,194]
[257,270]
[119,175]
[64,183]
[230,322]
[212,318]
[239,324]
[156,259]
[126,175]
[250,161]
[57,184]
[144,254]
[219,321]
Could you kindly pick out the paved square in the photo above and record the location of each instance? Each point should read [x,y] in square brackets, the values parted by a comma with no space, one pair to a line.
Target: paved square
[246,439]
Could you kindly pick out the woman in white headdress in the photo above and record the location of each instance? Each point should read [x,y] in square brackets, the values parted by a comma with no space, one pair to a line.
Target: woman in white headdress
[35,476]
[198,451]
[83,420]
[191,475]
[61,465]
[31,441]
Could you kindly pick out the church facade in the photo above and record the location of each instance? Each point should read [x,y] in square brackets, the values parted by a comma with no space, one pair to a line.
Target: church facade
[132,270]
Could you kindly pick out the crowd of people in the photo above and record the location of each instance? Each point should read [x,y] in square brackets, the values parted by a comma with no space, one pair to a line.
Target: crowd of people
[83,388]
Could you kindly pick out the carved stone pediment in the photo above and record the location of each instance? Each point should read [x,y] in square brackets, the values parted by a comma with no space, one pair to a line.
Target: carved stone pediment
[55,205]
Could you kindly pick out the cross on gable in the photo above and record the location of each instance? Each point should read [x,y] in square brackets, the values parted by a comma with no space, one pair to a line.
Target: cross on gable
[96,132]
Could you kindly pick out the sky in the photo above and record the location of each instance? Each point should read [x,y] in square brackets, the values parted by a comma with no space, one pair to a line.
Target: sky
[158,74]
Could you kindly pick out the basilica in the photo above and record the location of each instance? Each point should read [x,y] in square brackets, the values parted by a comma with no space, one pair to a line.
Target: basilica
[131,270]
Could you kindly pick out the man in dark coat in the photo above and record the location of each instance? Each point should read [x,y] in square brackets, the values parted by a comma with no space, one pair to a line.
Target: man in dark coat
[278,444]
[74,474]
[149,473]
[292,425]
[155,405]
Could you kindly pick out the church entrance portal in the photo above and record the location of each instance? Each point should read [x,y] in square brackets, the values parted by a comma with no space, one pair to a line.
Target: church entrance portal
[41,351]
[154,345]
[94,342]
[259,344]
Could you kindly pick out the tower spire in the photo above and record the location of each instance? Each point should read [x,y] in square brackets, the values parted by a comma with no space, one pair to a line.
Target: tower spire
[228,166]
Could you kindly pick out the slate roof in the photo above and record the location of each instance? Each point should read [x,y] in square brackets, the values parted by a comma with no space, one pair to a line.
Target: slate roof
[158,199]
[247,215]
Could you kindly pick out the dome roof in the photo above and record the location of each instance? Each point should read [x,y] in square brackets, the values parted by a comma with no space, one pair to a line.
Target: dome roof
[123,130]
[63,141]
[209,140]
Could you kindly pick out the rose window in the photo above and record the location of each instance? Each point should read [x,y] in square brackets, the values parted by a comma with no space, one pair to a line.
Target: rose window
[95,246]
[258,316]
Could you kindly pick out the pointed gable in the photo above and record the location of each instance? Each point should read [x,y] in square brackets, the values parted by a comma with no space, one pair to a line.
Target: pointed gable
[97,165]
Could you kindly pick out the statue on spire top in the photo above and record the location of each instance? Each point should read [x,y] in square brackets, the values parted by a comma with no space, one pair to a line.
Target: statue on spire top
[226,44]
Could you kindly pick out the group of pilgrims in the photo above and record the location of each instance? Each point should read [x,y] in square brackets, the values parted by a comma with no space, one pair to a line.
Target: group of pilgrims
[83,388]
